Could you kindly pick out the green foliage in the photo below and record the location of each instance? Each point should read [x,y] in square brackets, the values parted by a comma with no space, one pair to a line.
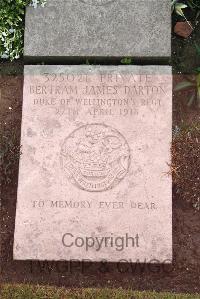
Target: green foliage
[178,7]
[193,84]
[194,4]
[197,49]
[126,60]
[12,26]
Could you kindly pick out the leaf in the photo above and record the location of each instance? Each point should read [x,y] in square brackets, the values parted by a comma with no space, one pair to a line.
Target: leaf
[197,48]
[191,100]
[183,85]
[198,99]
[126,60]
[198,81]
[190,4]
[198,14]
[173,2]
[183,29]
[179,9]
[173,5]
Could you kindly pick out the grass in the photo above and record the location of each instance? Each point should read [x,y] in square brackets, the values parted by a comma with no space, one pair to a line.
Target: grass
[9,291]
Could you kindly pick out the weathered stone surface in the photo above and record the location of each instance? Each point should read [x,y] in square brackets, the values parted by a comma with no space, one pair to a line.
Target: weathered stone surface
[97,28]
[96,147]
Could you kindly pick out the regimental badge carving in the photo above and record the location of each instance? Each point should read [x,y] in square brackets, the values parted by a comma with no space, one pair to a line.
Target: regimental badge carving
[95,157]
[97,2]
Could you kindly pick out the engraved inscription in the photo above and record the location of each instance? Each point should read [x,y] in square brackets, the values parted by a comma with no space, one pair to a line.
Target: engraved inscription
[95,157]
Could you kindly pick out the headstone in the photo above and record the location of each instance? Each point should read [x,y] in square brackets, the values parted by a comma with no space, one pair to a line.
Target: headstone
[99,28]
[94,177]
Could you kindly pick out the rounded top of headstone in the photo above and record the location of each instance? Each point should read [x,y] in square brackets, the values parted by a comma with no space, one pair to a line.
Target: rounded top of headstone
[97,2]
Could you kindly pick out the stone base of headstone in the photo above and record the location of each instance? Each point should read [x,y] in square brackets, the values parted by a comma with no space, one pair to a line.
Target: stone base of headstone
[98,28]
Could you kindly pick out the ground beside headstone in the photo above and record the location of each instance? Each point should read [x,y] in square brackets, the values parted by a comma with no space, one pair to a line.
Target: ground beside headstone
[94,177]
[99,28]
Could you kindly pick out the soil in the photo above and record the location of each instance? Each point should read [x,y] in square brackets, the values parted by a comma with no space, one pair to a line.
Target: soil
[182,276]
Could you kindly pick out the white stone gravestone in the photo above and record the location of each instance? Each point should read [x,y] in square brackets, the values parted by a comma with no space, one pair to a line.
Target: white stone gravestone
[94,178]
